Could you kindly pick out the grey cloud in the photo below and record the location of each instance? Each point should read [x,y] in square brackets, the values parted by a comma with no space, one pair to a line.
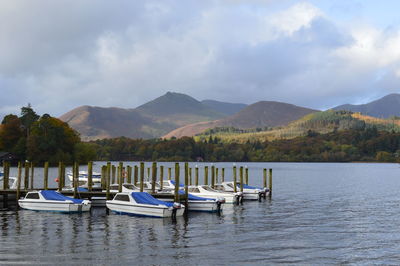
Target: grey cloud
[62,54]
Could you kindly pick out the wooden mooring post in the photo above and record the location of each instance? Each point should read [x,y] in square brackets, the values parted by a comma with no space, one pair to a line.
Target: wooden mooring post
[75,179]
[222,175]
[129,174]
[19,176]
[186,186]
[153,177]
[169,173]
[212,176]
[190,176]
[32,166]
[90,176]
[247,175]
[176,195]
[234,179]
[141,176]
[135,175]
[241,178]
[45,176]
[26,176]
[270,182]
[113,172]
[216,175]
[161,176]
[206,175]
[120,176]
[196,176]
[6,175]
[108,179]
[59,176]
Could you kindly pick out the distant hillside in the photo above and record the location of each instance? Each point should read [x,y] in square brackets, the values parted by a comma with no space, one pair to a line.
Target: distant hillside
[385,107]
[150,120]
[258,115]
[319,122]
[98,122]
[224,107]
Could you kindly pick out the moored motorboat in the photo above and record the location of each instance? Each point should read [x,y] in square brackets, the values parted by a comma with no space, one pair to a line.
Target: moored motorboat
[12,182]
[207,192]
[249,192]
[143,204]
[83,177]
[49,200]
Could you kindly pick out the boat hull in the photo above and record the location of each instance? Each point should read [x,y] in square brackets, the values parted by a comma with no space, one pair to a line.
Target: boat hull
[203,205]
[56,206]
[142,209]
[228,198]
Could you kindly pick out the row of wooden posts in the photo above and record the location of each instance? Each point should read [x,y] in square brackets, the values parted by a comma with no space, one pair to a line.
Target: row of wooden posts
[111,174]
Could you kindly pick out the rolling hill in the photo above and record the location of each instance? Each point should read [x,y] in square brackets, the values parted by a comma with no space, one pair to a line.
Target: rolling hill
[258,115]
[384,107]
[318,122]
[223,107]
[150,120]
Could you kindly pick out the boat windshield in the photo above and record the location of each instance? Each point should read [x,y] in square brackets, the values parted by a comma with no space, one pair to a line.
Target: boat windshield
[230,185]
[219,187]
[209,189]
[129,186]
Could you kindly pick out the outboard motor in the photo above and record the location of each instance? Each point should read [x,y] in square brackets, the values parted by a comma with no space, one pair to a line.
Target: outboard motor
[220,201]
[239,197]
[175,207]
[260,195]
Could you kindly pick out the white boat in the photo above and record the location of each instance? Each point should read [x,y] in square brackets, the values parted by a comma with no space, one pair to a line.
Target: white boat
[49,200]
[143,204]
[170,185]
[83,177]
[204,204]
[126,187]
[207,192]
[249,192]
[12,182]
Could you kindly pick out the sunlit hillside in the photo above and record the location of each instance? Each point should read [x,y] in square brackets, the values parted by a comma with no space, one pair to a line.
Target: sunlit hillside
[320,122]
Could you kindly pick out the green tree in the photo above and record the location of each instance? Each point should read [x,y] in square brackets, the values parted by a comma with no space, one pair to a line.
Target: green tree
[10,132]
[50,136]
[28,117]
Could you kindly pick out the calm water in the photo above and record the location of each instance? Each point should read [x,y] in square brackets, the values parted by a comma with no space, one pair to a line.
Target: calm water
[319,214]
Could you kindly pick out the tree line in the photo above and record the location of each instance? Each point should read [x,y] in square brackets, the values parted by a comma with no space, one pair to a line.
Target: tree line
[366,144]
[42,138]
[45,138]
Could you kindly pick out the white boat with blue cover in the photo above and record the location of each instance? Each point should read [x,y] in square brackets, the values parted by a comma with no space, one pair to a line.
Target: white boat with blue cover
[207,192]
[49,200]
[144,204]
[249,192]
[83,177]
[204,204]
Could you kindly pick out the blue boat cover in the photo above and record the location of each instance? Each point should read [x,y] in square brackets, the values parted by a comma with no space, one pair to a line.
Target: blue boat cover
[146,198]
[54,195]
[193,197]
[249,187]
[173,183]
[82,189]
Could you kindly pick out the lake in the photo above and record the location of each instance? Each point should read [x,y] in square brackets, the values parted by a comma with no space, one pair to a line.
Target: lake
[320,213]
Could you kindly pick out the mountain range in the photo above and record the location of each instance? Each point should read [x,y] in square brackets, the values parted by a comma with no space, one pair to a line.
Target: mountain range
[382,108]
[177,115]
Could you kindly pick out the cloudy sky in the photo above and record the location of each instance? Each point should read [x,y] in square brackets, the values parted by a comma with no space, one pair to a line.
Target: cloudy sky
[58,55]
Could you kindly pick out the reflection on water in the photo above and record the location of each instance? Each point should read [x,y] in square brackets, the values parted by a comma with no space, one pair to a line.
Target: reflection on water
[319,214]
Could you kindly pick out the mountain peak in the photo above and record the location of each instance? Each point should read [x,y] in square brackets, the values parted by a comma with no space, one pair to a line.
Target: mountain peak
[176,103]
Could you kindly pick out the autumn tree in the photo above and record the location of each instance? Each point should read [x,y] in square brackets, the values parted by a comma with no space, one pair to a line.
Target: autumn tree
[51,140]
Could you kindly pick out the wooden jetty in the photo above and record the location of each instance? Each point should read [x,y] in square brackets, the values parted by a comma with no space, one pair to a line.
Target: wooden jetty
[120,174]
